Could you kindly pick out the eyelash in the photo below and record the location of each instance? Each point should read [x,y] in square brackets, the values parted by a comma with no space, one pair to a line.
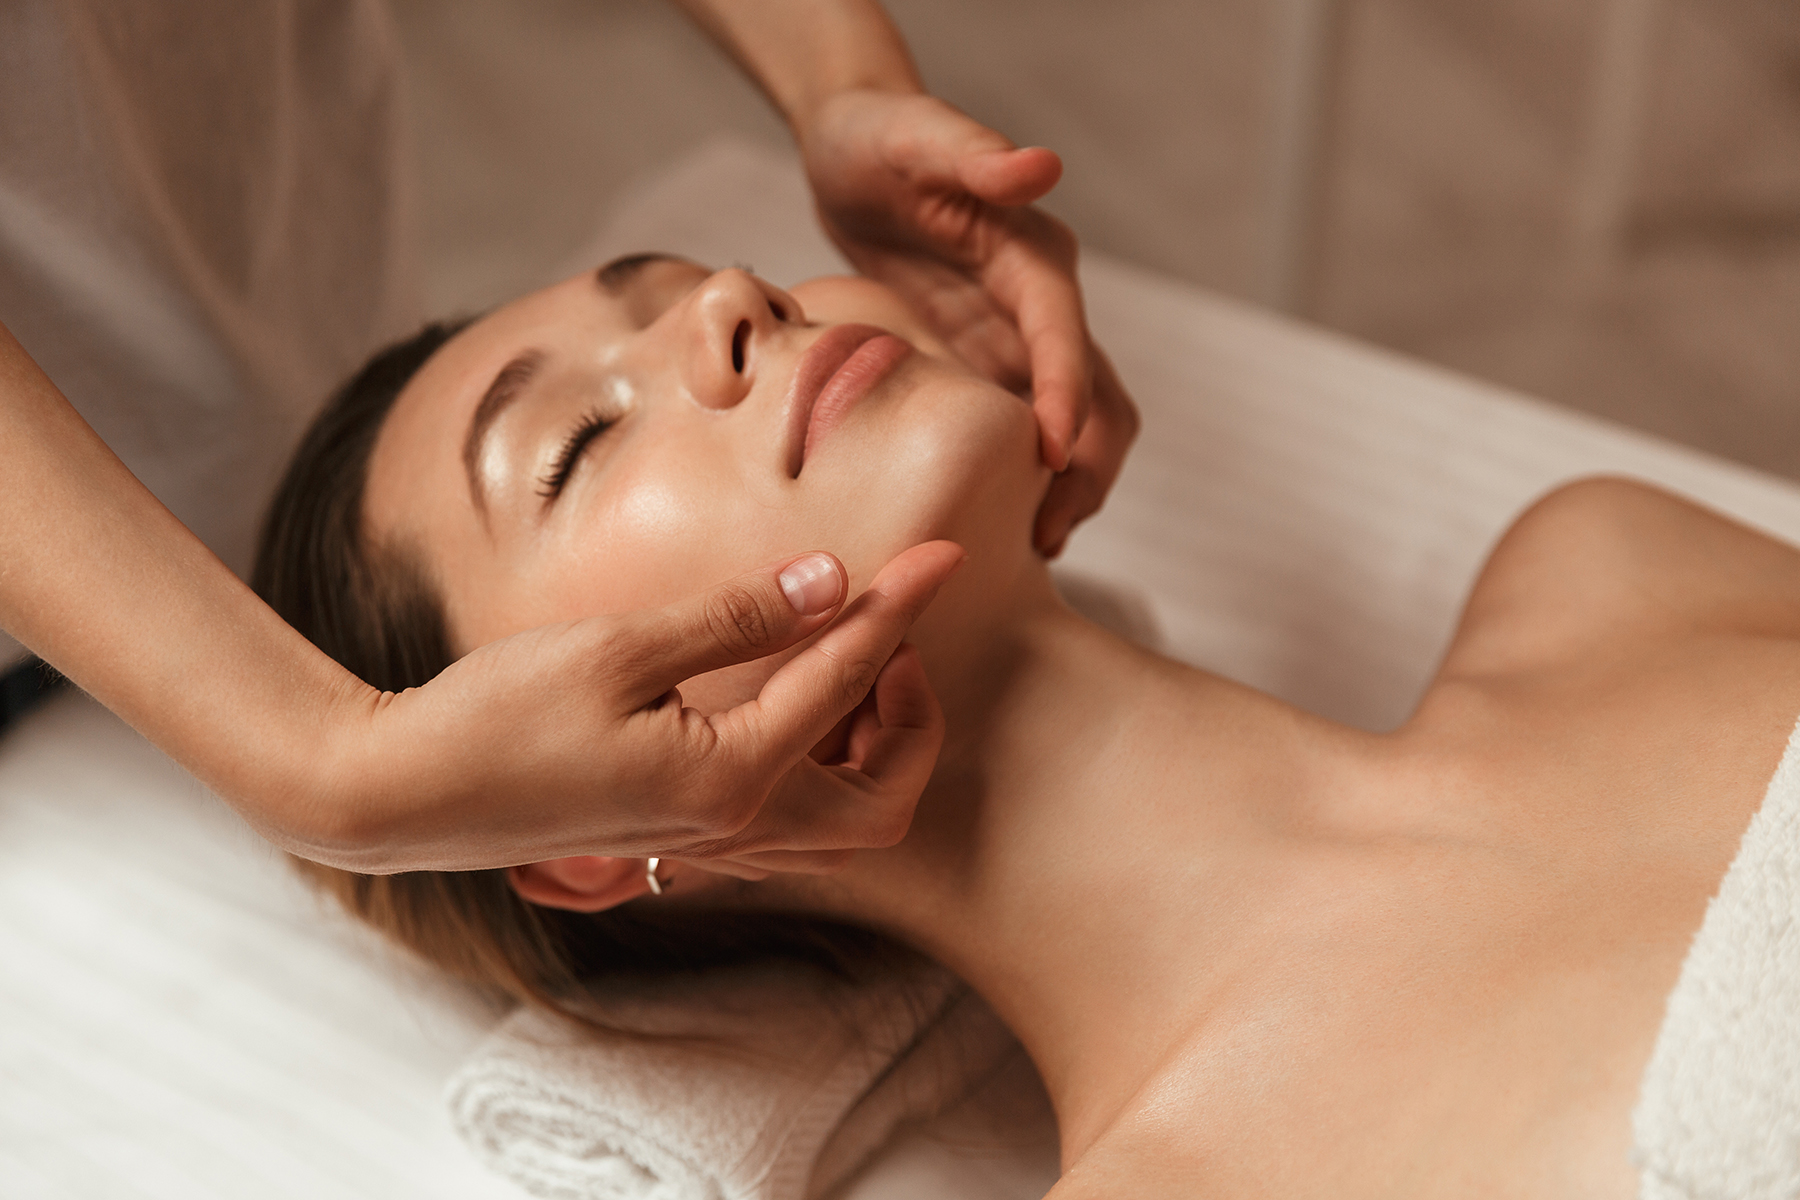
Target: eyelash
[591,426]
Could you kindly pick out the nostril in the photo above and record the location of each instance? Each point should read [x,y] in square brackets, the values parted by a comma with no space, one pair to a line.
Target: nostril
[739,337]
[780,312]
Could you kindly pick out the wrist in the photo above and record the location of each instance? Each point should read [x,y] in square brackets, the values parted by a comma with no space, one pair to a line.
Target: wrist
[803,53]
[333,782]
[804,110]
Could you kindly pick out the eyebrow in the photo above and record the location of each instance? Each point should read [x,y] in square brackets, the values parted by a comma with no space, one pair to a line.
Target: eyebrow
[505,388]
[612,278]
[617,275]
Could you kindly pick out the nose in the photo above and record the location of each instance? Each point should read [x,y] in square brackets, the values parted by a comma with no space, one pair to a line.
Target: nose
[734,313]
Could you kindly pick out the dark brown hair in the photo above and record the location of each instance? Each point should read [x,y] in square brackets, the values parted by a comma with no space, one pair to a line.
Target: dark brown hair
[375,609]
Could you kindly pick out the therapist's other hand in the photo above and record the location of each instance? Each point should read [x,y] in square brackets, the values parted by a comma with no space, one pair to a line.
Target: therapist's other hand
[572,739]
[1078,490]
[939,207]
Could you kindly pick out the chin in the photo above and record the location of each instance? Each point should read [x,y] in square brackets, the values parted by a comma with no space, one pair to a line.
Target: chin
[952,455]
[964,466]
[975,480]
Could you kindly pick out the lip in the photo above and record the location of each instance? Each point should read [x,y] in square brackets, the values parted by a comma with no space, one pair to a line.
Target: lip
[837,370]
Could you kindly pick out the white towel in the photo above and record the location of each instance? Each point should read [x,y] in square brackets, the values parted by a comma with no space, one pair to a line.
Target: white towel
[1718,1116]
[757,1085]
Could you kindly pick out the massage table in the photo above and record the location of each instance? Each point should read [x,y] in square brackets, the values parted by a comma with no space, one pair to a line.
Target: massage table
[181,1018]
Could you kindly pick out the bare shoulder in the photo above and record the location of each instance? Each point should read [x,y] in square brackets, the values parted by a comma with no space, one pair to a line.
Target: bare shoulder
[1608,561]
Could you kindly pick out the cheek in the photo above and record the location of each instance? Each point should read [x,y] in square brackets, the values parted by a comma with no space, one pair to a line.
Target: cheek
[957,461]
[671,528]
[686,513]
[669,524]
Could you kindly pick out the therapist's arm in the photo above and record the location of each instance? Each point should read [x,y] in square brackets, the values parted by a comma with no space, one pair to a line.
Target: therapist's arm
[939,207]
[556,742]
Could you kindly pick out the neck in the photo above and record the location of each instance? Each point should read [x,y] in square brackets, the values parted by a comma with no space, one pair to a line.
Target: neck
[1091,799]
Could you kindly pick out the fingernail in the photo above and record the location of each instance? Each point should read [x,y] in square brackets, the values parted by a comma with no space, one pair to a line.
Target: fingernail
[812,584]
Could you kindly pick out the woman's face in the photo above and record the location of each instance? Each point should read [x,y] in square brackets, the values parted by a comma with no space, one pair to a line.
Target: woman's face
[635,435]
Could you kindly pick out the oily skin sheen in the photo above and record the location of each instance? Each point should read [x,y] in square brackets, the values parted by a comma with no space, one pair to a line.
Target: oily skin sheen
[1252,952]
[691,479]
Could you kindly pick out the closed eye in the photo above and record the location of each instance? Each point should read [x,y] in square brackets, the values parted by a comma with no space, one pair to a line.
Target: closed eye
[592,424]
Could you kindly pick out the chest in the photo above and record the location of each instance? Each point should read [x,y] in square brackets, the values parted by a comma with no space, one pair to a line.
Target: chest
[1469,1011]
[1461,1033]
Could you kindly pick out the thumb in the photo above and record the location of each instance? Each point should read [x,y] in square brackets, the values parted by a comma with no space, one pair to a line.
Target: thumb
[750,617]
[1010,177]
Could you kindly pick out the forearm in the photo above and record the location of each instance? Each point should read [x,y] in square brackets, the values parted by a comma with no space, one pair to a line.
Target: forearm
[102,581]
[802,52]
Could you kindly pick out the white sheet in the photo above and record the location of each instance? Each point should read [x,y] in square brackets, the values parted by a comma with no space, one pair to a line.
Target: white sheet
[177,1018]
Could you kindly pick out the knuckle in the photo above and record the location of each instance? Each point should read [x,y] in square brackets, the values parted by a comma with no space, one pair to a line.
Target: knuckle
[610,655]
[611,647]
[856,675]
[739,618]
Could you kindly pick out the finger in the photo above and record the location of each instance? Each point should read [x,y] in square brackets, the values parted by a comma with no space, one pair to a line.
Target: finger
[1079,491]
[750,617]
[862,726]
[818,814]
[1074,496]
[932,141]
[1010,177]
[745,752]
[907,714]
[1030,271]
[1047,306]
[959,309]
[808,696]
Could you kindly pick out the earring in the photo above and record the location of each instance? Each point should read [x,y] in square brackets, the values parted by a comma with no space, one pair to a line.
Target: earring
[656,885]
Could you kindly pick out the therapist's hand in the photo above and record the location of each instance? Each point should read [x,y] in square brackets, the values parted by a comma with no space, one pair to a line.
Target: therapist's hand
[572,739]
[939,207]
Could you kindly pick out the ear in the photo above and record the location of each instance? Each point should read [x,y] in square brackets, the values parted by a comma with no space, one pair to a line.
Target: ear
[585,884]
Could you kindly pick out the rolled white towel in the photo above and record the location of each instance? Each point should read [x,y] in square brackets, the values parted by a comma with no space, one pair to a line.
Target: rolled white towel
[731,1085]
[1718,1114]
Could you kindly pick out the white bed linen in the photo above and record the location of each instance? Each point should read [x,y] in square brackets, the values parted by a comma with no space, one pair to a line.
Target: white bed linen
[178,1018]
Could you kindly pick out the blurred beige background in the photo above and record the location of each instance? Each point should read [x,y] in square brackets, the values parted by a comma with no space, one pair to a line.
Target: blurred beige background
[1597,201]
